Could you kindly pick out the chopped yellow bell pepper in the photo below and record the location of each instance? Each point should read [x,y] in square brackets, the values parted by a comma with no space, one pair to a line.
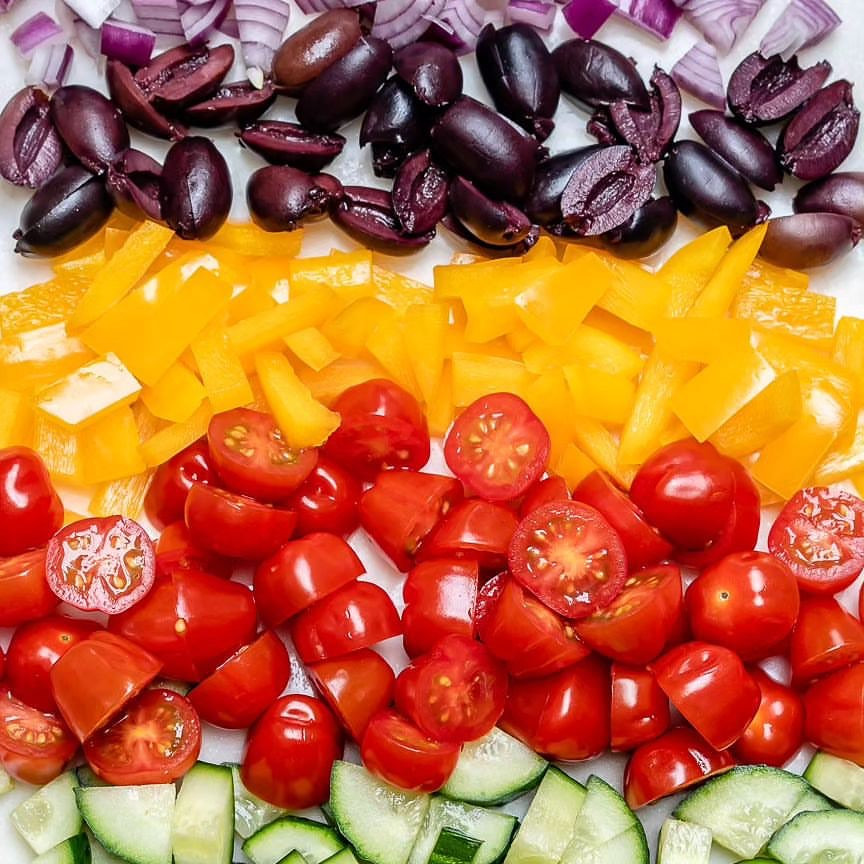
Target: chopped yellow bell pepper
[458,280]
[842,463]
[774,278]
[550,399]
[544,248]
[688,270]
[176,395]
[601,446]
[32,360]
[312,347]
[439,410]
[635,295]
[347,274]
[250,301]
[124,496]
[573,465]
[38,306]
[701,340]
[248,239]
[108,449]
[399,291]
[387,344]
[521,338]
[349,330]
[675,431]
[425,332]
[221,372]
[590,347]
[599,395]
[58,448]
[168,442]
[80,271]
[335,379]
[114,240]
[849,348]
[476,375]
[16,418]
[638,339]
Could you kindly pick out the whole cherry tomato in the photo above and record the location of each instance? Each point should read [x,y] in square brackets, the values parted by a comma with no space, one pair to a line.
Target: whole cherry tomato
[545,491]
[166,497]
[825,639]
[640,709]
[834,713]
[327,500]
[25,594]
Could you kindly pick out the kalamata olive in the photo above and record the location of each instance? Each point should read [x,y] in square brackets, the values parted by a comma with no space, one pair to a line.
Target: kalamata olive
[743,147]
[420,193]
[239,102]
[196,188]
[452,224]
[134,181]
[283,143]
[30,148]
[822,134]
[305,54]
[649,228]
[600,126]
[596,74]
[605,190]
[135,106]
[520,75]
[766,89]
[702,184]
[90,126]
[841,193]
[543,203]
[184,75]
[281,198]
[72,206]
[482,146]
[432,71]
[345,89]
[494,222]
[809,239]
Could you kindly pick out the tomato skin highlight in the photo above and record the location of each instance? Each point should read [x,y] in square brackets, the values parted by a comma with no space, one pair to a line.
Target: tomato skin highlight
[327,500]
[545,491]
[834,713]
[640,709]
[25,594]
[166,498]
[176,551]
[826,638]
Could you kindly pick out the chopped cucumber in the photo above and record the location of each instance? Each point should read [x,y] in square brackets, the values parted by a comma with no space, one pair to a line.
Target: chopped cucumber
[7,784]
[203,828]
[131,822]
[683,843]
[810,801]
[251,813]
[75,850]
[495,769]
[841,780]
[631,846]
[454,847]
[315,841]
[98,855]
[88,777]
[835,836]
[343,856]
[49,816]
[294,858]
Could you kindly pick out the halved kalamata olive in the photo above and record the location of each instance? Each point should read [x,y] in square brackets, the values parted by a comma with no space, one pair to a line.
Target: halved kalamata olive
[452,224]
[645,231]
[543,203]
[841,193]
[702,184]
[600,126]
[432,71]
[766,89]
[72,206]
[490,152]
[134,181]
[134,105]
[196,188]
[420,193]
[183,76]
[605,190]
[494,222]
[281,198]
[822,134]
[283,143]
[345,89]
[239,102]
[30,148]
[809,239]
[305,54]
[743,147]
[596,74]
[520,75]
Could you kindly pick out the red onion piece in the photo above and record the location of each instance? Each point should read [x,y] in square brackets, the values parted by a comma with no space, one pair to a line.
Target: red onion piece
[537,13]
[40,29]
[586,17]
[721,22]
[261,25]
[310,7]
[801,24]
[229,26]
[161,16]
[658,17]
[402,22]
[6,5]
[50,64]
[462,21]
[698,73]
[199,22]
[129,43]
[94,12]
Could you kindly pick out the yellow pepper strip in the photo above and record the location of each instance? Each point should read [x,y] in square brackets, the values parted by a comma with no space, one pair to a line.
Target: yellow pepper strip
[248,302]
[601,446]
[399,291]
[176,395]
[80,271]
[38,306]
[520,338]
[460,279]
[349,330]
[58,448]
[490,309]
[476,375]
[574,466]
[114,240]
[16,418]
[550,399]
[124,496]
[543,248]
[312,347]
[849,348]
[688,270]
[675,431]
[701,340]
[844,462]
[776,279]
[439,410]
[168,442]
[221,372]
[347,274]
[109,448]
[90,246]
[32,360]
[599,395]
[248,239]
[632,294]
[387,344]
[333,380]
[426,327]
[638,339]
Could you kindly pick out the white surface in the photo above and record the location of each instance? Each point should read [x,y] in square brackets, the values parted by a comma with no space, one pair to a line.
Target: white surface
[845,49]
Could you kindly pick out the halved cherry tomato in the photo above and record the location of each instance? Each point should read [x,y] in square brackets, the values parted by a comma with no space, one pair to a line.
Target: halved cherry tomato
[395,750]
[640,709]
[355,686]
[825,639]
[819,536]
[290,753]
[676,760]
[166,497]
[359,615]
[25,594]
[834,713]
[711,688]
[327,500]
[176,551]
[236,526]
[545,491]
[245,685]
[155,739]
[107,564]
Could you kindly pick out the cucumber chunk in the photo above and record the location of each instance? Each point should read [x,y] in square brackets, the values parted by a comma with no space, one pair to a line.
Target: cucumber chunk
[75,850]
[315,841]
[841,780]
[251,813]
[810,801]
[683,843]
[203,828]
[835,836]
[88,777]
[7,784]
[49,816]
[343,856]
[631,846]
[454,847]
[294,858]
[98,854]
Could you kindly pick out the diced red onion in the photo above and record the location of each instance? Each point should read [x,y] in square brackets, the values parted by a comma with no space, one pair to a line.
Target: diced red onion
[94,12]
[161,16]
[261,25]
[721,22]
[6,5]
[40,29]
[229,26]
[312,6]
[129,43]
[402,22]
[586,17]
[462,20]
[801,24]
[199,22]
[656,16]
[698,72]
[49,65]
[537,13]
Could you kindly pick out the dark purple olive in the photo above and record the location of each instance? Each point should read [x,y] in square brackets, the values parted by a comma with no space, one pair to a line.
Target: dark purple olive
[543,203]
[494,222]
[420,194]
[196,188]
[766,89]
[431,71]
[822,134]
[281,198]
[283,143]
[490,152]
[452,224]
[30,148]
[649,228]
[809,239]
[596,74]
[520,75]
[239,102]
[346,88]
[91,127]
[184,75]
[134,181]
[606,189]
[841,193]
[702,184]
[743,147]
[305,54]
[600,126]
[367,215]
[72,206]
[134,105]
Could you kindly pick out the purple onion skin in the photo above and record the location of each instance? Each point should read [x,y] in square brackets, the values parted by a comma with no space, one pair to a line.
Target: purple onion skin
[30,148]
[420,193]
[281,198]
[134,182]
[238,103]
[71,207]
[283,143]
[135,106]
[432,71]
[183,76]
[809,239]
[520,75]
[495,223]
[543,204]
[346,88]
[646,231]
[841,193]
[744,148]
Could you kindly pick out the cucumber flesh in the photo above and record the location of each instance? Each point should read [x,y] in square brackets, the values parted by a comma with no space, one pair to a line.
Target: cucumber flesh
[631,846]
[315,841]
[343,856]
[49,816]
[7,784]
[202,831]
[294,858]
[98,855]
[810,801]
[841,780]
[683,843]
[88,777]
[835,836]
[75,850]
[454,847]
[251,813]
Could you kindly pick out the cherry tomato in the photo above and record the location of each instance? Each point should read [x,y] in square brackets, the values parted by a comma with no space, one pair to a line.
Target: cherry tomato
[176,551]
[819,536]
[155,739]
[24,591]
[34,649]
[747,601]
[545,491]
[166,497]
[30,509]
[826,638]
[402,507]
[398,752]
[777,731]
[676,760]
[640,622]
[383,426]
[355,686]
[34,747]
[711,688]
[236,526]
[640,709]
[300,573]
[245,685]
[327,500]
[834,713]
[642,542]
[96,677]
[290,753]
[359,615]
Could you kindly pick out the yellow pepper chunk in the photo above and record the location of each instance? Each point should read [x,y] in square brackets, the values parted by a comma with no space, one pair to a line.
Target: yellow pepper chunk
[574,466]
[114,240]
[490,308]
[124,496]
[248,239]
[168,442]
[58,448]
[701,340]
[550,399]
[333,380]
[439,411]
[543,248]
[842,463]
[397,290]
[476,375]
[176,395]
[599,395]
[520,338]
[312,347]
[32,360]
[349,330]
[590,347]
[81,271]
[250,301]
[38,306]
[16,418]
[221,372]
[638,339]
[426,328]
[387,344]
[457,280]
[688,270]
[635,295]
[347,274]
[849,348]
[601,446]
[108,449]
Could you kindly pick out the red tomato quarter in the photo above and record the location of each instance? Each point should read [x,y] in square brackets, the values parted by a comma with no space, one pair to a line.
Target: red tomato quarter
[176,551]
[166,498]
[640,709]
[834,713]
[327,500]
[542,492]
[825,639]
[25,594]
